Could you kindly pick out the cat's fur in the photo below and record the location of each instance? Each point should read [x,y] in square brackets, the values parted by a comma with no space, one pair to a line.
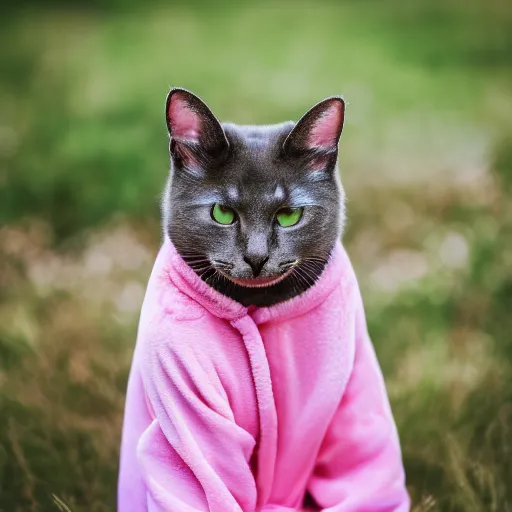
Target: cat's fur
[255,170]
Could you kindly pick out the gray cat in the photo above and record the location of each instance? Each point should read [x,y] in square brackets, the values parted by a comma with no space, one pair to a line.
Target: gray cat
[254,210]
[234,408]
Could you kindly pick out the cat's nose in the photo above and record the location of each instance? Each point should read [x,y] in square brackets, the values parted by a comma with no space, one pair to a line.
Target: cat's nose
[256,262]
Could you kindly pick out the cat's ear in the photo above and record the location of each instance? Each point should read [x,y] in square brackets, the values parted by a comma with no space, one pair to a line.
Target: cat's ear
[317,133]
[196,136]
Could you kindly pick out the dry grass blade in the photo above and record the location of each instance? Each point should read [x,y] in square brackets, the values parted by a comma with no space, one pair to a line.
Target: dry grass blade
[62,506]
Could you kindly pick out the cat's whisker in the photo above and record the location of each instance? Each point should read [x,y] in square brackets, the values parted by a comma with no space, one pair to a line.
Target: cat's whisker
[200,264]
[321,261]
[207,269]
[195,260]
[289,264]
[201,271]
[213,275]
[310,269]
[219,277]
[296,283]
[301,277]
[222,265]
[308,273]
[314,267]
[309,280]
[306,283]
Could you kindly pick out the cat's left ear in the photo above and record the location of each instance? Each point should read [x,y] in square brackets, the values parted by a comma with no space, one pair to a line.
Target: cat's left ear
[317,133]
[196,136]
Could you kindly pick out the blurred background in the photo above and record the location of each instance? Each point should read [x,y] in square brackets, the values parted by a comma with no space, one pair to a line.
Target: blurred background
[426,160]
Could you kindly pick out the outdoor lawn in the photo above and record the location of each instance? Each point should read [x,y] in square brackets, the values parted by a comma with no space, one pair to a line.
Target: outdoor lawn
[426,160]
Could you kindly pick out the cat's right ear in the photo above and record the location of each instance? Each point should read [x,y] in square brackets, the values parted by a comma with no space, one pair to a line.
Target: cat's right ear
[196,136]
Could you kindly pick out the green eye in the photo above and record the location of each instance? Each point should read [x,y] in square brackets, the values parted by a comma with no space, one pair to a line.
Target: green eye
[287,217]
[223,214]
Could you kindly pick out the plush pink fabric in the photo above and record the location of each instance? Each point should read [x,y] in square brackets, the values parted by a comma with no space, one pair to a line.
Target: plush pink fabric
[234,409]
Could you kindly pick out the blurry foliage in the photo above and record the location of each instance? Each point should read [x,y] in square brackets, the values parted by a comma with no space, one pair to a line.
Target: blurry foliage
[426,158]
[82,95]
[502,166]
[456,434]
[59,406]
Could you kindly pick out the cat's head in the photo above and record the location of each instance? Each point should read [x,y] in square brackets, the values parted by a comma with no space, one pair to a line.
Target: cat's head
[254,210]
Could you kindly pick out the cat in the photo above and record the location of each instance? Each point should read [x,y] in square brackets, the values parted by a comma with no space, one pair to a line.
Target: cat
[254,383]
[254,210]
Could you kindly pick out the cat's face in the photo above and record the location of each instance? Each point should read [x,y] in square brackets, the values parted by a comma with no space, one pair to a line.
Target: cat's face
[255,211]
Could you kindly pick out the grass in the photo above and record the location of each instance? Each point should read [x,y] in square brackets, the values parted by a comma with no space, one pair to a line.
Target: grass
[426,159]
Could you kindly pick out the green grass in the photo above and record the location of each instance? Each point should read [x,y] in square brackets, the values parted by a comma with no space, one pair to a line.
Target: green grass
[426,158]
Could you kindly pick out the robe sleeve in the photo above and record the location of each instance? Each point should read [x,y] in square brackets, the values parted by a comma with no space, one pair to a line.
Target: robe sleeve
[359,466]
[194,457]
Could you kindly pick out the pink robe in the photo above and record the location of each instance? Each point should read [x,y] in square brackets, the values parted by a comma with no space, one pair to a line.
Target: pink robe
[233,409]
